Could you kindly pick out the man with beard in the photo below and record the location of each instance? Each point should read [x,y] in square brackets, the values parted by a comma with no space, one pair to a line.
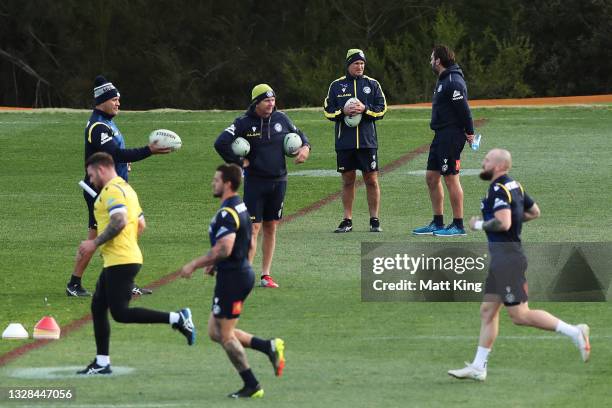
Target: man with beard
[505,207]
[230,239]
[451,120]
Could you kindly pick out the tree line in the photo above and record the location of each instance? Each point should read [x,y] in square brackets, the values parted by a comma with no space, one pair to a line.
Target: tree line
[208,54]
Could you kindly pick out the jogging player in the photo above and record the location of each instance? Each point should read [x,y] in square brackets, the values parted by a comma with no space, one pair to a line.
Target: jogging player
[230,238]
[121,222]
[505,207]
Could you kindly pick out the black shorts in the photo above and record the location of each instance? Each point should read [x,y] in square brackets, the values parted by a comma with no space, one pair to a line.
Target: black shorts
[264,199]
[115,284]
[445,151]
[506,279]
[90,209]
[231,290]
[365,160]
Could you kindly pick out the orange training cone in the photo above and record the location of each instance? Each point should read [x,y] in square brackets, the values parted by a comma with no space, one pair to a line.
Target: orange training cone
[47,328]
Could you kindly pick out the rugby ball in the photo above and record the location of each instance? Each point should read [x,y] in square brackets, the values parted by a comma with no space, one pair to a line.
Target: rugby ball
[352,121]
[292,143]
[241,147]
[166,138]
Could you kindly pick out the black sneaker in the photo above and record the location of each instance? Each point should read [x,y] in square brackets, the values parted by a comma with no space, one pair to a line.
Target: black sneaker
[246,392]
[185,325]
[137,291]
[95,369]
[345,226]
[375,225]
[76,290]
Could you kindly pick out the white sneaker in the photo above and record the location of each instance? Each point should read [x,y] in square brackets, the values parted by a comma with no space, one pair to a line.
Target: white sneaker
[583,343]
[469,372]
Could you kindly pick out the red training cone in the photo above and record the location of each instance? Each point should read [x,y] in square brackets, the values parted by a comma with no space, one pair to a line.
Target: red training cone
[47,328]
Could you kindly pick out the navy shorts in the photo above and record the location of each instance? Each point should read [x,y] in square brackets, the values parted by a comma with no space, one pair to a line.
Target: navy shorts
[90,209]
[231,290]
[445,151]
[506,279]
[264,199]
[365,160]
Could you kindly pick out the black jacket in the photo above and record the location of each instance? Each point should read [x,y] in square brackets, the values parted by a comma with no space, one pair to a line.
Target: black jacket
[266,137]
[450,102]
[369,92]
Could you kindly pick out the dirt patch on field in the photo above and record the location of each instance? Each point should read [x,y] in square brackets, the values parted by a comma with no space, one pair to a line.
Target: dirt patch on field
[551,101]
[480,122]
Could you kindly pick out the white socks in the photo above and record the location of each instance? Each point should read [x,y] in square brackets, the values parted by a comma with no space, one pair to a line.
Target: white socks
[480,360]
[567,329]
[102,361]
[174,317]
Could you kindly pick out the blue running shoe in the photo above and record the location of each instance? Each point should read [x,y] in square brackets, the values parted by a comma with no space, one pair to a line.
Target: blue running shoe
[451,231]
[427,230]
[185,325]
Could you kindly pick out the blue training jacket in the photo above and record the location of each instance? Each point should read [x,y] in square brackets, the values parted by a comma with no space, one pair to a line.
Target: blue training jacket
[450,102]
[369,92]
[102,135]
[266,137]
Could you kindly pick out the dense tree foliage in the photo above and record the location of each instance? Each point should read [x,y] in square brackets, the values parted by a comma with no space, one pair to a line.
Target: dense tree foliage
[208,54]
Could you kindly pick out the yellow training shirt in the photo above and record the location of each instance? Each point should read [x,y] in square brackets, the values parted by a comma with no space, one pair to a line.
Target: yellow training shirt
[118,196]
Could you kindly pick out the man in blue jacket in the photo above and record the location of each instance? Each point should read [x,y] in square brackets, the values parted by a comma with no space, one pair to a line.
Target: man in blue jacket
[265,169]
[451,120]
[102,135]
[356,146]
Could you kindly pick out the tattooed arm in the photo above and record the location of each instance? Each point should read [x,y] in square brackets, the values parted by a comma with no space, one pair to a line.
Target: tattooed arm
[501,222]
[117,222]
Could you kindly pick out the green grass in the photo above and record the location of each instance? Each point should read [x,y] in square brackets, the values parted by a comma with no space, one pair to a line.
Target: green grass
[341,352]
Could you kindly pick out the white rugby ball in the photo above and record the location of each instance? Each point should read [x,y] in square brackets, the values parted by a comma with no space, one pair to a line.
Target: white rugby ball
[292,143]
[241,147]
[352,121]
[166,138]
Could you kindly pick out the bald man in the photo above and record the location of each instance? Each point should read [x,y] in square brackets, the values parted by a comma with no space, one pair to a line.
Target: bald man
[504,209]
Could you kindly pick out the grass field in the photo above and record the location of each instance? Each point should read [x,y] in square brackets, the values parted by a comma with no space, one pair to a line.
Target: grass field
[340,351]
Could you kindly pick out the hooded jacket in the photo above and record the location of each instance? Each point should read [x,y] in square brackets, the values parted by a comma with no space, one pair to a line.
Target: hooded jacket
[450,102]
[369,92]
[266,137]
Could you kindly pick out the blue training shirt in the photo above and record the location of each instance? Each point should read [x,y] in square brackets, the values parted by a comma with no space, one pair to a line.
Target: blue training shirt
[232,217]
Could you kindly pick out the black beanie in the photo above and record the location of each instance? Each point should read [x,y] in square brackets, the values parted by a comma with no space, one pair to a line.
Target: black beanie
[104,90]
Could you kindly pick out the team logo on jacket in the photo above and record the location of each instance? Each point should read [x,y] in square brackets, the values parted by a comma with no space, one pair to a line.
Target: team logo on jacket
[440,88]
[278,127]
[367,89]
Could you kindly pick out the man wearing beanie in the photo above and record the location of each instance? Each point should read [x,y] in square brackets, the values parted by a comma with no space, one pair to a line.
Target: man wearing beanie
[356,146]
[102,135]
[265,169]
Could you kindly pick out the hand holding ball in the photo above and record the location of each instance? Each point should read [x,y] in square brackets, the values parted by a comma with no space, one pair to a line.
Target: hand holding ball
[166,139]
[352,121]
